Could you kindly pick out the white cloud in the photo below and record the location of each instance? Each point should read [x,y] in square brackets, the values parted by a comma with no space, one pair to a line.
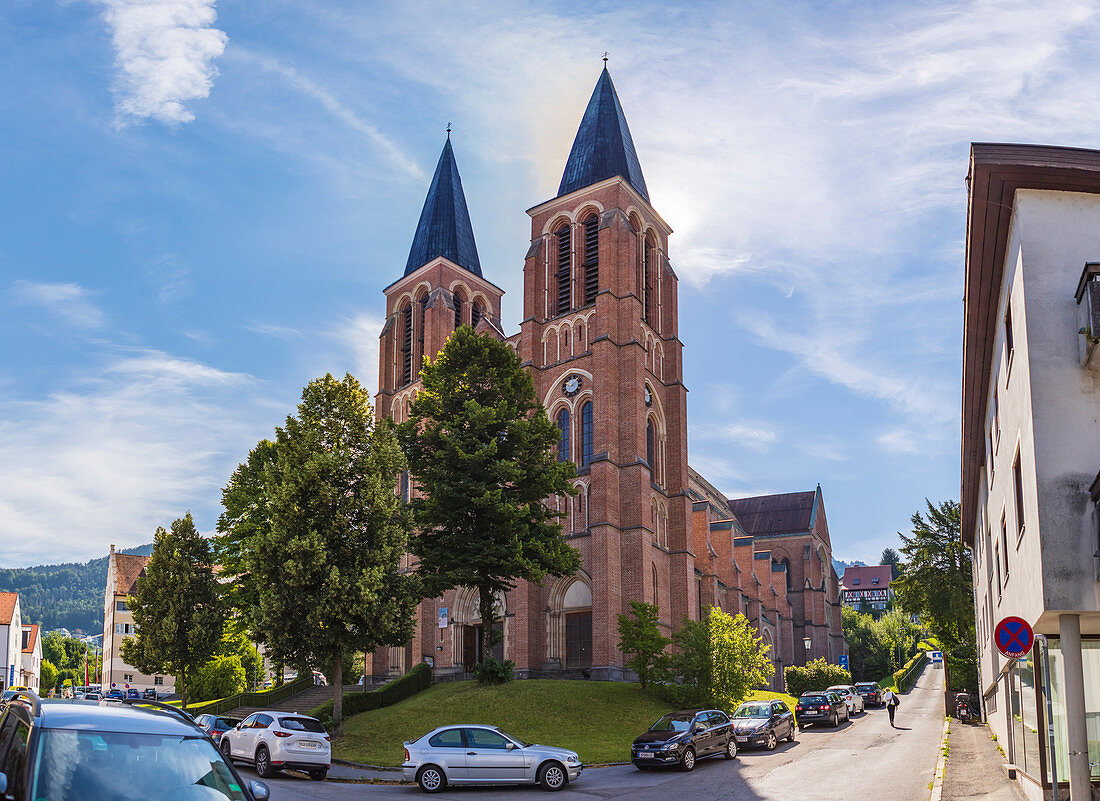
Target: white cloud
[357,337]
[164,52]
[898,441]
[70,303]
[754,436]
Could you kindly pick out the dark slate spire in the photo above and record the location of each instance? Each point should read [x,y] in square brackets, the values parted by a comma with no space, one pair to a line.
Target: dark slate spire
[444,228]
[603,147]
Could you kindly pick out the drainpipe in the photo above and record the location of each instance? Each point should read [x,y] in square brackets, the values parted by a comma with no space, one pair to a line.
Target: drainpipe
[1069,628]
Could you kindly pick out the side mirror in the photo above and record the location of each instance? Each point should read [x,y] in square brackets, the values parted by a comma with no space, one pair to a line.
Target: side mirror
[259,791]
[509,746]
[238,726]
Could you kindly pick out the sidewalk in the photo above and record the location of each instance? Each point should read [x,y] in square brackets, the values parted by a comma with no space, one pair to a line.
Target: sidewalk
[974,767]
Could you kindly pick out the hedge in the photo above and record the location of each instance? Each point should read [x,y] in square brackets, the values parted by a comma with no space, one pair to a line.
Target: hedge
[417,679]
[815,675]
[898,675]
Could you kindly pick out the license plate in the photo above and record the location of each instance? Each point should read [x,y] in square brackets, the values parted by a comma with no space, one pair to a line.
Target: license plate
[742,739]
[308,744]
[646,755]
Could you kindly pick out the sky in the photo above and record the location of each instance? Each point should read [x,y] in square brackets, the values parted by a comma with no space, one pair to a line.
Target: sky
[201,202]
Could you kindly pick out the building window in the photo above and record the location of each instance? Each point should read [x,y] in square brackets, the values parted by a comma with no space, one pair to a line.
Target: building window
[649,286]
[128,677]
[787,565]
[656,587]
[1018,489]
[650,448]
[586,434]
[563,435]
[997,560]
[561,298]
[996,420]
[406,494]
[476,313]
[1009,347]
[120,606]
[406,344]
[158,680]
[1004,546]
[699,591]
[459,302]
[591,258]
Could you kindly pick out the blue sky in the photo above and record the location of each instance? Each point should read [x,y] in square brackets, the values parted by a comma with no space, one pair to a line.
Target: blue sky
[201,203]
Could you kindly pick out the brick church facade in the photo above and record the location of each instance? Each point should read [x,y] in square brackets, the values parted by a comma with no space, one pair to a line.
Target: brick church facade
[599,335]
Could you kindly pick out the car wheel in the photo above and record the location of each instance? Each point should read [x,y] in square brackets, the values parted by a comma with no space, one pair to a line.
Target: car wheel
[227,752]
[552,776]
[731,749]
[318,775]
[790,734]
[834,721]
[772,742]
[687,761]
[431,779]
[263,763]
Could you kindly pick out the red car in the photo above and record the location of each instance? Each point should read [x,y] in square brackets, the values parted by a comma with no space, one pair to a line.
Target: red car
[215,726]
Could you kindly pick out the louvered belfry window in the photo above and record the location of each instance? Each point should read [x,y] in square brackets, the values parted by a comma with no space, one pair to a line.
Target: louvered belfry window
[649,313]
[406,343]
[475,314]
[458,302]
[421,326]
[561,302]
[591,258]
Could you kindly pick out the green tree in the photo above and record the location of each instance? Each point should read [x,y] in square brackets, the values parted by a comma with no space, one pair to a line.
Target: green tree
[719,659]
[892,558]
[327,569]
[221,677]
[48,678]
[936,584]
[482,451]
[176,606]
[640,638]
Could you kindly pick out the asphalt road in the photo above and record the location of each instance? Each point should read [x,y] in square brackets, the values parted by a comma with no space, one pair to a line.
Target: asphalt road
[861,759]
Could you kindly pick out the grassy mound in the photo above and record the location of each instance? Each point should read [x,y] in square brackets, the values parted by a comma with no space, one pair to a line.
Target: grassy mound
[597,719]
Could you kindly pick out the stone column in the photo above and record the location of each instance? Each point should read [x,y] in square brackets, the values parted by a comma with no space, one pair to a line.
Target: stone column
[1069,630]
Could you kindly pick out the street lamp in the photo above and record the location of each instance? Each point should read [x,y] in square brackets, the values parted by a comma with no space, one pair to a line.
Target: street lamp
[806,641]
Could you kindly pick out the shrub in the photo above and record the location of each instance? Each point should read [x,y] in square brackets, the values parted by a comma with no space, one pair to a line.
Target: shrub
[417,679]
[493,671]
[815,675]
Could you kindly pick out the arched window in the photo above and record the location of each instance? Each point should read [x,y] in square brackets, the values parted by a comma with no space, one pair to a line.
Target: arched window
[420,325]
[406,343]
[787,564]
[591,258]
[563,435]
[476,313]
[459,302]
[561,291]
[651,448]
[586,434]
[649,288]
[656,587]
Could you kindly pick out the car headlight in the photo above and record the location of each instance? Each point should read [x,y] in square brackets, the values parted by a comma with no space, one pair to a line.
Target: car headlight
[668,746]
[571,759]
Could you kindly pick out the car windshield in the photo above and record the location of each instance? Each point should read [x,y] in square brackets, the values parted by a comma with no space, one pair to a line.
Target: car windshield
[673,722]
[112,766]
[753,711]
[302,724]
[813,699]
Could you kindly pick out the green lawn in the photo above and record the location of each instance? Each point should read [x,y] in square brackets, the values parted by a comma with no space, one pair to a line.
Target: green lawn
[597,719]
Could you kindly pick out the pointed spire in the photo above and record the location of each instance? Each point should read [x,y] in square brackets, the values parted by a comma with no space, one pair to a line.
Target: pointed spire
[444,228]
[603,147]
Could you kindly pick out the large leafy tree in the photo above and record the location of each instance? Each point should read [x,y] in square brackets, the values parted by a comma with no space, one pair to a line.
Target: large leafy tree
[936,583]
[719,660]
[324,553]
[176,606]
[482,451]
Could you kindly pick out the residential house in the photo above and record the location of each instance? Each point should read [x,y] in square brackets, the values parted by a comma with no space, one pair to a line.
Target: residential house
[11,640]
[867,588]
[30,671]
[123,571]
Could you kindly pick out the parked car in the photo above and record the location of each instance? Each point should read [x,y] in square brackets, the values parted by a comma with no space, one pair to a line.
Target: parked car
[79,696]
[763,724]
[216,725]
[273,741]
[93,696]
[870,692]
[853,699]
[60,750]
[115,694]
[474,754]
[821,707]
[682,738]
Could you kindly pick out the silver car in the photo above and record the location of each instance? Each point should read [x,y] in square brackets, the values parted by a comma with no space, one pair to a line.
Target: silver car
[473,754]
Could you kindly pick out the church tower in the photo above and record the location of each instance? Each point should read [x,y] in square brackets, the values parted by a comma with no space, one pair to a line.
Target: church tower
[441,289]
[599,334]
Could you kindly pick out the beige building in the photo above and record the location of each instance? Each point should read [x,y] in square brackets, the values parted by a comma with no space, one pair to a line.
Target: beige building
[30,670]
[1031,448]
[118,624]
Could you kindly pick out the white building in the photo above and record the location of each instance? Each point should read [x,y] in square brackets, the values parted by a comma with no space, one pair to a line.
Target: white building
[118,624]
[1031,446]
[11,640]
[30,671]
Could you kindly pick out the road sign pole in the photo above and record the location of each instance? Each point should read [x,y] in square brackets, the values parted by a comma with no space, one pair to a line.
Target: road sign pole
[1050,716]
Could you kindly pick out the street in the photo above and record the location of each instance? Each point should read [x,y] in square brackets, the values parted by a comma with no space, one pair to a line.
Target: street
[863,758]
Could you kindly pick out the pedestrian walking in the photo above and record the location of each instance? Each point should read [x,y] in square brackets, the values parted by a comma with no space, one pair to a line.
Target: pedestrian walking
[892,703]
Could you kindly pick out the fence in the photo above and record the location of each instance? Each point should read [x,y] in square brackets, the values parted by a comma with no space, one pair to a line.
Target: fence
[263,698]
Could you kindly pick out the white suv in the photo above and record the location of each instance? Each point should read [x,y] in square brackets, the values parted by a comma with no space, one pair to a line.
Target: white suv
[851,697]
[275,741]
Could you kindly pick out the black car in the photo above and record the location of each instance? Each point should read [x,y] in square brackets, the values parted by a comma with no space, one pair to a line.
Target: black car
[216,725]
[684,737]
[763,724]
[78,750]
[871,692]
[821,707]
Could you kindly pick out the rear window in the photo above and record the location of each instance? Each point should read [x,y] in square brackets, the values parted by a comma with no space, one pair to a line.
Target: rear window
[227,723]
[813,699]
[865,686]
[302,724]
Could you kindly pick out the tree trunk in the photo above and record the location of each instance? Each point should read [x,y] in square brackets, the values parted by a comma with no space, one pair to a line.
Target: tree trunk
[182,682]
[488,611]
[338,694]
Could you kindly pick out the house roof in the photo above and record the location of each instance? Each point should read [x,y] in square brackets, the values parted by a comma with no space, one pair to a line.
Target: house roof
[996,172]
[444,228]
[603,147]
[127,569]
[770,515]
[33,627]
[8,602]
[863,578]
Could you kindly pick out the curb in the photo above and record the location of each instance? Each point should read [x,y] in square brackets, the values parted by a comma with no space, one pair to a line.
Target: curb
[363,766]
[941,764]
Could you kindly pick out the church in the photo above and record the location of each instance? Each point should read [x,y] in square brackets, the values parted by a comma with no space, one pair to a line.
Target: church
[599,336]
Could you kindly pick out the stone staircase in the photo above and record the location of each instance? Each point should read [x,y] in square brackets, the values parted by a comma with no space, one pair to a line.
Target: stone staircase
[301,703]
